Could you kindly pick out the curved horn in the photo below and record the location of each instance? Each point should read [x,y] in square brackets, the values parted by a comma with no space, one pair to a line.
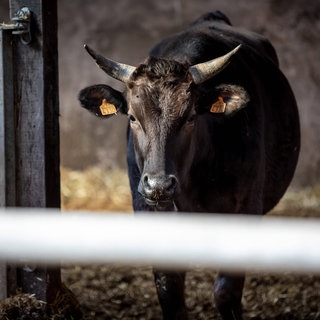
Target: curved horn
[206,70]
[114,69]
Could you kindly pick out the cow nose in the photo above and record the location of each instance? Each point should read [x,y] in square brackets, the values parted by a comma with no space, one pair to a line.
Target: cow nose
[159,187]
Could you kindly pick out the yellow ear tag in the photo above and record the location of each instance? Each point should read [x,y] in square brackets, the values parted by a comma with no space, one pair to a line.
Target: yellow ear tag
[107,108]
[219,106]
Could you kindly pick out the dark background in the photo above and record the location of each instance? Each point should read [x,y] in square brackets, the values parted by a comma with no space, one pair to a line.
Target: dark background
[125,30]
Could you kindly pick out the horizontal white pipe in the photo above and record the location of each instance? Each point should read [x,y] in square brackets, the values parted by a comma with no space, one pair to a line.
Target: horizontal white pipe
[235,243]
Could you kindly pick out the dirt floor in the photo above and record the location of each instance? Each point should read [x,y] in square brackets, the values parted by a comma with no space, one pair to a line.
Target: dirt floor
[122,292]
[115,292]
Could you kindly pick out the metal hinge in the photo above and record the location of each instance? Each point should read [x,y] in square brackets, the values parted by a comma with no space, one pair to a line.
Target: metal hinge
[21,25]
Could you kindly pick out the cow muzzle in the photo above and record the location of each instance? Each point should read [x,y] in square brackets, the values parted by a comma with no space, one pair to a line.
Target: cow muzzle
[158,190]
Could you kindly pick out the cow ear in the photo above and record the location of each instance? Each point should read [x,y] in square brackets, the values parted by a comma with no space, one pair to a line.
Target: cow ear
[102,100]
[228,99]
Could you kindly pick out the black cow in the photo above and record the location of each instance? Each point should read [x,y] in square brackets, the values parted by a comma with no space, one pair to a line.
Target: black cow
[213,128]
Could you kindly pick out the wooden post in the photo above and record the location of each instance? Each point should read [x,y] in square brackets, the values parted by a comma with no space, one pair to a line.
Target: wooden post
[7,145]
[7,134]
[37,177]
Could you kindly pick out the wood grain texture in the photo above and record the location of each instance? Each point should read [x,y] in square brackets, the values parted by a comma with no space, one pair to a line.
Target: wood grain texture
[36,122]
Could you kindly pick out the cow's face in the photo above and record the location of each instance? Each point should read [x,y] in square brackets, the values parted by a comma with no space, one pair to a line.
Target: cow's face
[163,104]
[162,113]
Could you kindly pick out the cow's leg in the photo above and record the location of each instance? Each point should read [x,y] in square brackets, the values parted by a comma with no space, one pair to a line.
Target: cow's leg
[170,289]
[228,293]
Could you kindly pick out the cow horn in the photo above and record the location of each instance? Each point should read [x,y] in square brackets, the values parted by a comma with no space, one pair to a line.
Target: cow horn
[114,69]
[206,70]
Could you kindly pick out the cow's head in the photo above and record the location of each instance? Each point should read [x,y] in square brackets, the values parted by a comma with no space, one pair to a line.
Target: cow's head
[164,104]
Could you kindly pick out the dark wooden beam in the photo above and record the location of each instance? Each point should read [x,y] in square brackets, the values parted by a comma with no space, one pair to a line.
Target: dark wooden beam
[7,147]
[37,129]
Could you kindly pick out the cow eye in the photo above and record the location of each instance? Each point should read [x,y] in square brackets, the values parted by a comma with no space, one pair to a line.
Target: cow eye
[131,118]
[191,119]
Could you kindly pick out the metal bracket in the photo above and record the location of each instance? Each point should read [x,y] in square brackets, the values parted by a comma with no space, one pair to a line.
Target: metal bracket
[21,25]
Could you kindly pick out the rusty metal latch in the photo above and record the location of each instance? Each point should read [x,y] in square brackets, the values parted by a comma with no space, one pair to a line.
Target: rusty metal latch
[21,25]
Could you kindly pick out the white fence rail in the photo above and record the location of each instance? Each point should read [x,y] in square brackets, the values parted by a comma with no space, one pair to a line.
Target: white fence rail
[234,243]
